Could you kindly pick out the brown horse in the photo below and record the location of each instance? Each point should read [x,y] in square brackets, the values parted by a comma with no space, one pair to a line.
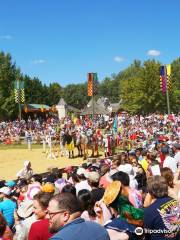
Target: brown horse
[85,143]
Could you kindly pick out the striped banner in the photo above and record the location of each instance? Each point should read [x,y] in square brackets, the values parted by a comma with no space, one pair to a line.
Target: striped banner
[163,79]
[90,84]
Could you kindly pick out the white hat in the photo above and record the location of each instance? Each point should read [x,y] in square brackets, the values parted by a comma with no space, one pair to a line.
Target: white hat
[25,209]
[33,189]
[93,176]
[81,171]
[127,168]
[5,190]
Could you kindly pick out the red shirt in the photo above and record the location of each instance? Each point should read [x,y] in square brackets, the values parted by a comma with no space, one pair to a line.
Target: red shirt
[39,230]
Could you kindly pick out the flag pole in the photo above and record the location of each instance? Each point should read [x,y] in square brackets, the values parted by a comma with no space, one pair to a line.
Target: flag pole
[93,99]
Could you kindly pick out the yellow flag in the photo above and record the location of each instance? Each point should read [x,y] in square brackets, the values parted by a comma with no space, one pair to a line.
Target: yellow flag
[168,67]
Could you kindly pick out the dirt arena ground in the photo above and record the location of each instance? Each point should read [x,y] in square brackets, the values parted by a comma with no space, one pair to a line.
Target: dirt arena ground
[11,161]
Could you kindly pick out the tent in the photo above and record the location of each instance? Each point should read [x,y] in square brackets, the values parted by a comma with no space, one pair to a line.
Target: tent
[98,109]
[36,108]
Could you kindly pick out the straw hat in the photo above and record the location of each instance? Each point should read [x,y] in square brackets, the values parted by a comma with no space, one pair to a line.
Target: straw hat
[111,192]
[25,209]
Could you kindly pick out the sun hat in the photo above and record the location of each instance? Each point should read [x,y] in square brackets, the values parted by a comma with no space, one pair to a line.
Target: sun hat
[33,189]
[25,209]
[10,183]
[5,191]
[111,192]
[48,188]
[127,168]
[93,176]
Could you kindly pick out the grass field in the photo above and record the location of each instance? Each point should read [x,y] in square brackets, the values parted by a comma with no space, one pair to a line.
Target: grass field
[13,157]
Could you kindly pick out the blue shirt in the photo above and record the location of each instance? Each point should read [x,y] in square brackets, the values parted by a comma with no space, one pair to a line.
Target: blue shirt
[79,229]
[162,218]
[7,208]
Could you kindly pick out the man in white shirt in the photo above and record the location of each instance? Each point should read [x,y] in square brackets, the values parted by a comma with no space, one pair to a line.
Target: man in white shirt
[169,161]
[83,184]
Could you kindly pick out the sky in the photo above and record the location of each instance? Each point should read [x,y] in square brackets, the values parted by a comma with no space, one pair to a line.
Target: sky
[62,40]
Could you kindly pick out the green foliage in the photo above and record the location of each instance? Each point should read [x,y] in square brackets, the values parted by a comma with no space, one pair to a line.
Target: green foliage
[110,88]
[175,94]
[8,72]
[140,88]
[76,95]
[137,86]
[54,94]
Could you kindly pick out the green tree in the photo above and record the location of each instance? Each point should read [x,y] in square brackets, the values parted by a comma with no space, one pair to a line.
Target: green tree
[151,99]
[110,88]
[175,93]
[8,74]
[33,90]
[129,87]
[76,95]
[54,94]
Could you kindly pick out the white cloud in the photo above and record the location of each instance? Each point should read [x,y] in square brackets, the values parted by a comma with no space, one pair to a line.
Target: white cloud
[38,61]
[118,59]
[6,37]
[153,53]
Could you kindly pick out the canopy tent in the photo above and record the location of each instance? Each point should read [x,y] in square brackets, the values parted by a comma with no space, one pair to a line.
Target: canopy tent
[36,108]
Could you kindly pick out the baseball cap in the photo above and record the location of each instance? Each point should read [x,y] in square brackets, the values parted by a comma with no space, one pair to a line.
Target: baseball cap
[5,190]
[10,183]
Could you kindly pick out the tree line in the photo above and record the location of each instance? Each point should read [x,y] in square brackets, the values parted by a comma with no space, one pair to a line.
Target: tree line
[138,88]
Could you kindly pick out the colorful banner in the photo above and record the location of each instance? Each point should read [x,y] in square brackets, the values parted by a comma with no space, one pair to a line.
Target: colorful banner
[168,77]
[90,84]
[163,79]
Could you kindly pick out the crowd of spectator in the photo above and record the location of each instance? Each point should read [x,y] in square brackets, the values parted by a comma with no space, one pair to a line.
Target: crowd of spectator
[133,193]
